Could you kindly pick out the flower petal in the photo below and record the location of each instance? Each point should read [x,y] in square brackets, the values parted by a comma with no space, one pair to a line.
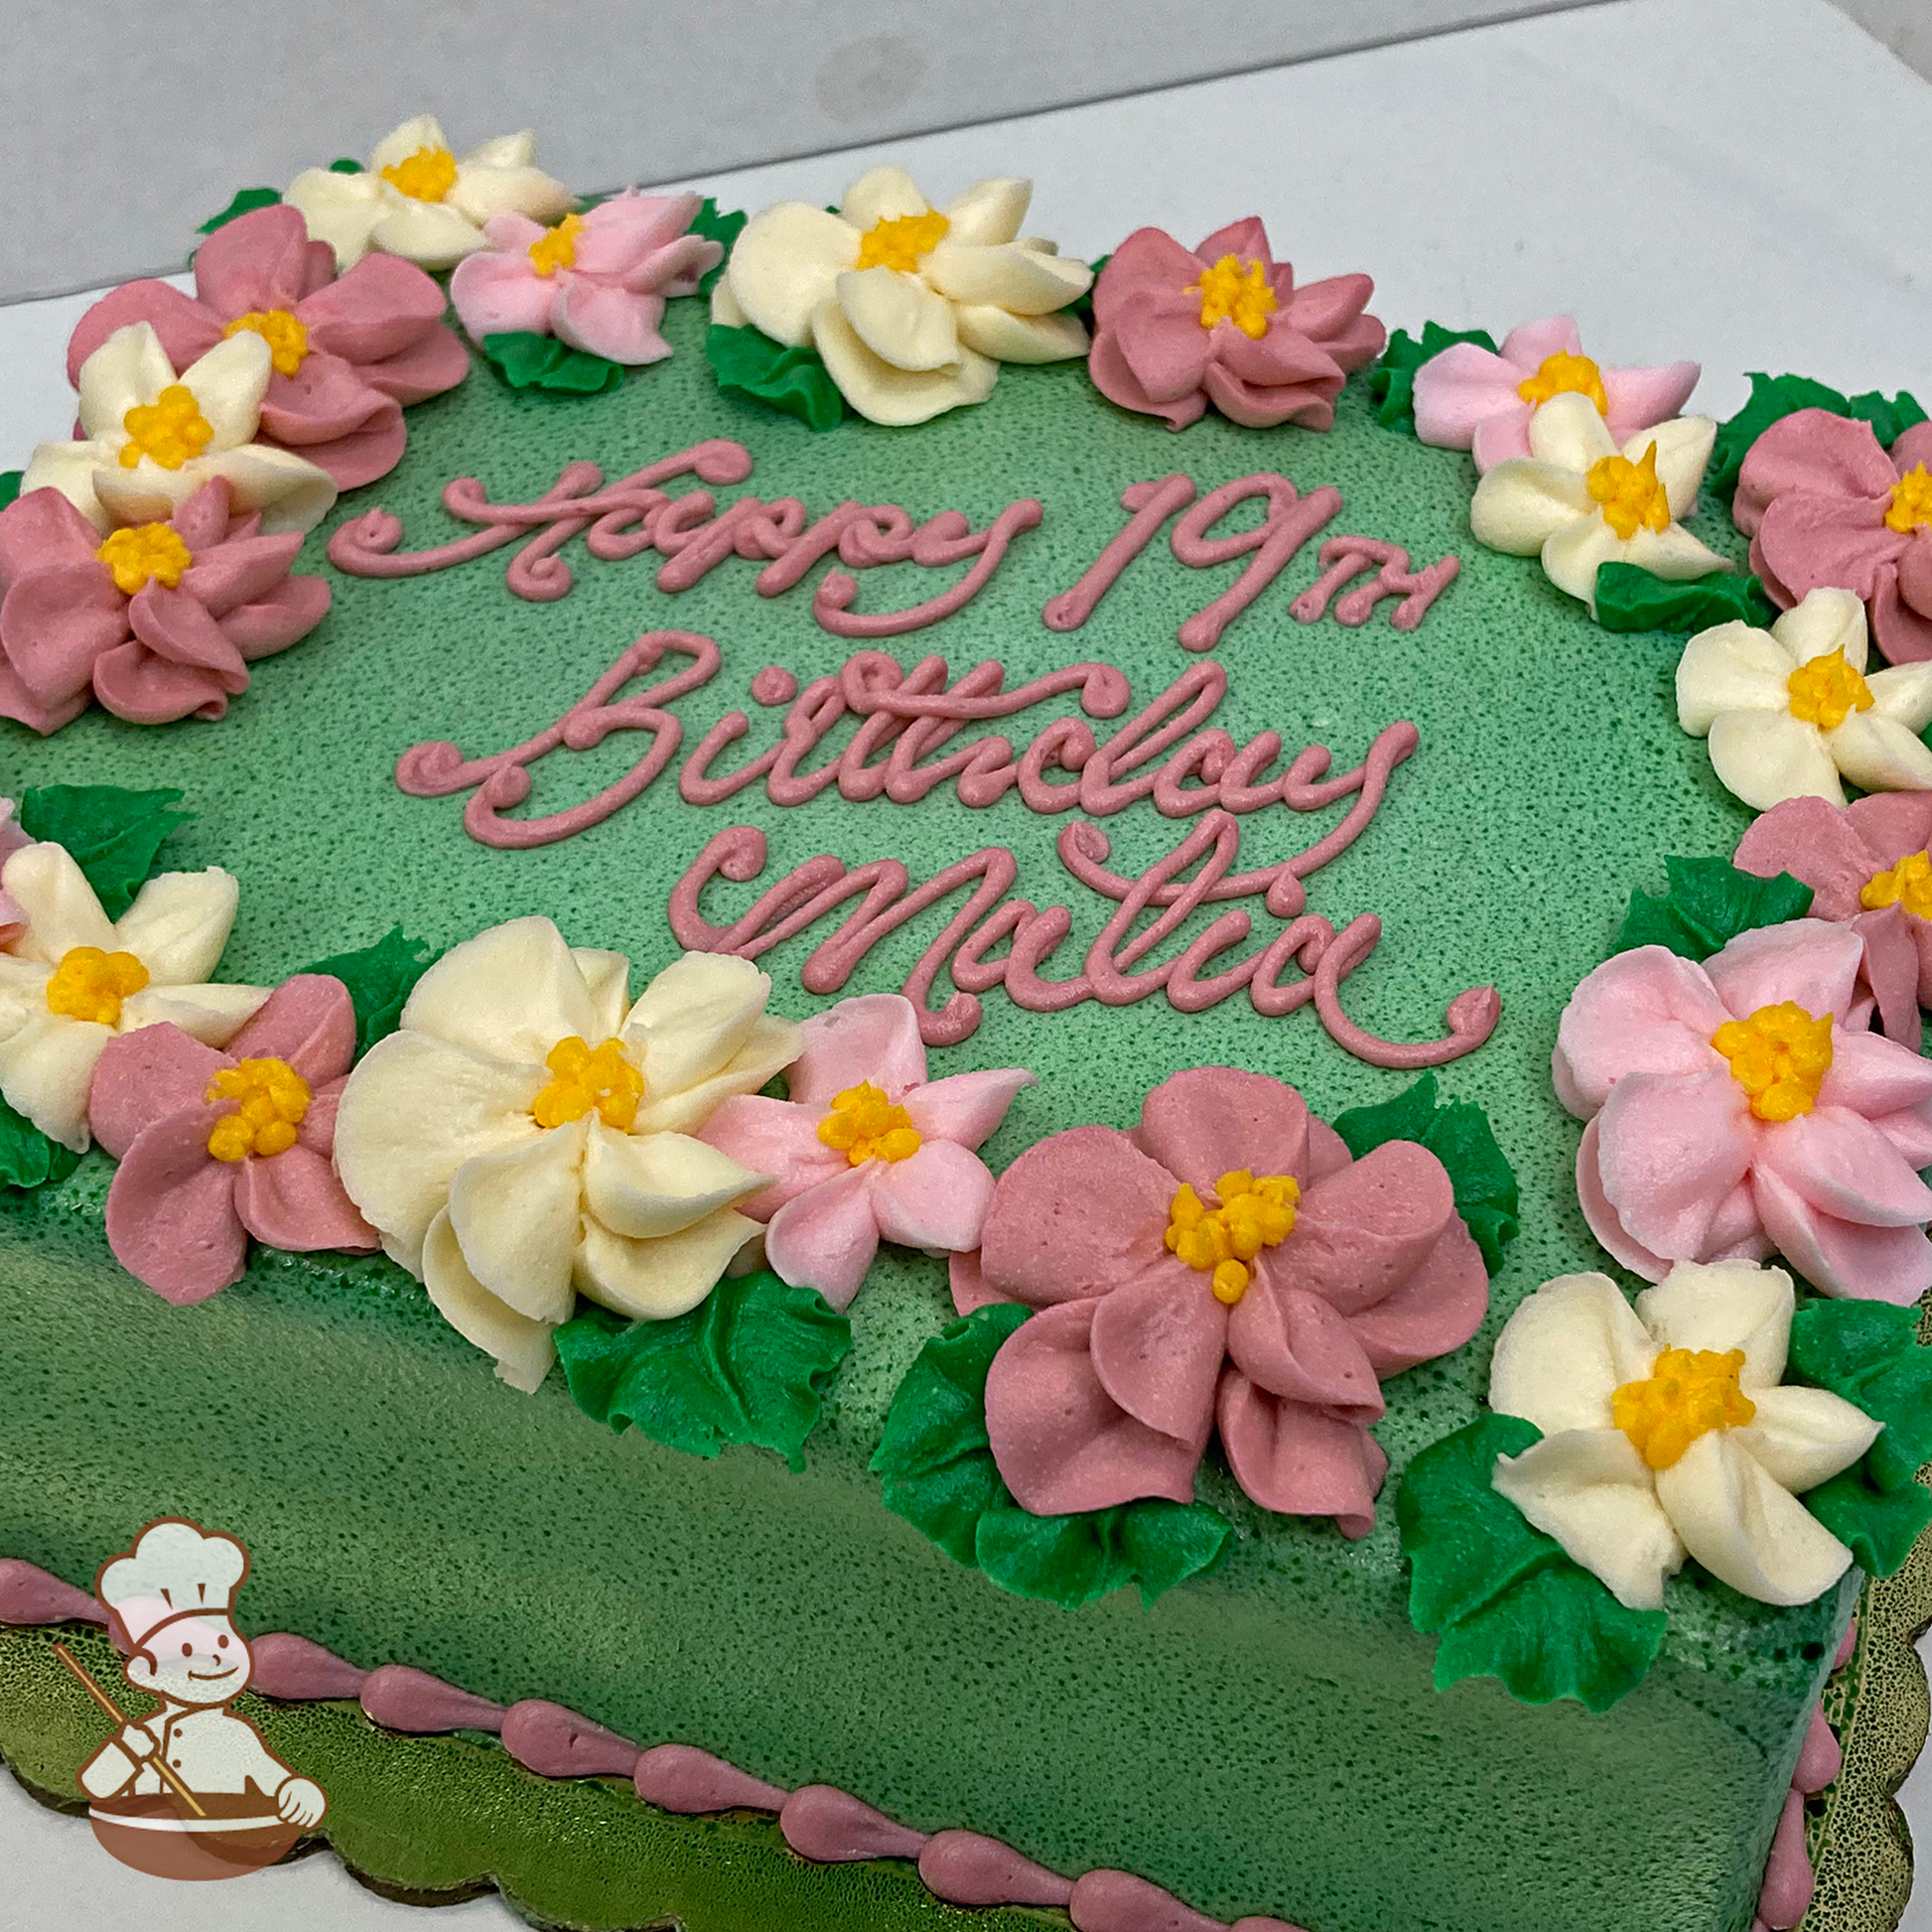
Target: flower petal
[179,924]
[648,1186]
[1460,389]
[652,1281]
[1879,1263]
[771,1045]
[1834,852]
[1683,448]
[1157,1347]
[1638,398]
[503,188]
[1646,1011]
[1296,1461]
[784,268]
[1531,343]
[898,318]
[171,1215]
[293,1201]
[1672,553]
[1589,1489]
[1822,622]
[341,209]
[308,1020]
[1842,1163]
[47,1067]
[1008,338]
[1807,960]
[1874,1076]
[1520,504]
[989,211]
[825,1236]
[882,194]
[128,369]
[1433,1311]
[419,131]
[1903,694]
[228,384]
[693,1018]
[1208,1121]
[895,397]
[965,1108]
[874,1036]
[1731,668]
[510,993]
[1877,752]
[1722,1306]
[1801,1436]
[616,324]
[936,1199]
[1670,1150]
[1766,757]
[1573,555]
[515,1213]
[1007,275]
[213,1015]
[1359,1234]
[60,905]
[432,234]
[1293,1344]
[1565,1349]
[777,1138]
[523,1349]
[144,1076]
[1567,431]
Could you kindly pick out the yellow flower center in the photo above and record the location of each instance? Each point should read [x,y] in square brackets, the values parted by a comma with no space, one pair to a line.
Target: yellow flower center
[270,1099]
[1779,1056]
[557,247]
[1231,293]
[1687,1394]
[287,336]
[426,176]
[1629,494]
[1825,691]
[1564,375]
[90,984]
[171,429]
[865,1126]
[901,239]
[589,1077]
[132,556]
[1255,1213]
[1907,884]
[1911,501]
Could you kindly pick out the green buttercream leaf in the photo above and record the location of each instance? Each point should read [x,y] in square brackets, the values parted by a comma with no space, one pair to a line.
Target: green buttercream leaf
[750,1364]
[1774,397]
[1879,1526]
[794,381]
[345,164]
[380,979]
[28,1157]
[936,1470]
[1629,598]
[722,228]
[1870,1353]
[542,362]
[110,833]
[1460,1136]
[1706,906]
[1392,382]
[1557,1633]
[1465,1543]
[10,482]
[246,201]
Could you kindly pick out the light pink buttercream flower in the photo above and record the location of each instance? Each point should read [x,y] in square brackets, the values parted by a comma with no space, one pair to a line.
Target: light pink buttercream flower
[838,1191]
[349,350]
[1176,329]
[1679,1160]
[1823,504]
[598,281]
[69,630]
[1468,399]
[178,1218]
[1876,846]
[1111,1391]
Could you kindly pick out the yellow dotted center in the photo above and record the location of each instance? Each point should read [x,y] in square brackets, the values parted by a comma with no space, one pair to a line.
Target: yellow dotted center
[1230,292]
[1911,501]
[589,1077]
[864,1125]
[270,1099]
[900,240]
[1564,375]
[556,247]
[1255,1213]
[147,550]
[286,334]
[425,176]
[1779,1056]
[1629,494]
[171,429]
[1907,884]
[1687,1394]
[1825,691]
[90,984]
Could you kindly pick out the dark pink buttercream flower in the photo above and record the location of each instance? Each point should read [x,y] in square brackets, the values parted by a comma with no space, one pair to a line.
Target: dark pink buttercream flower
[1875,848]
[1823,504]
[212,594]
[210,1153]
[1175,331]
[598,281]
[1111,1391]
[349,350]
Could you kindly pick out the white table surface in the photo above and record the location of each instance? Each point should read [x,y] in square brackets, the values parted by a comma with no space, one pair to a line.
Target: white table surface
[1718,178]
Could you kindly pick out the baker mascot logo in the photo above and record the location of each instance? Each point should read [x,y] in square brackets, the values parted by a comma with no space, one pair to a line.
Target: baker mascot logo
[189,1791]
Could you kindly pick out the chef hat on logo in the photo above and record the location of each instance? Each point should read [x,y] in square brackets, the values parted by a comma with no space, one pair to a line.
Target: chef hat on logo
[172,1569]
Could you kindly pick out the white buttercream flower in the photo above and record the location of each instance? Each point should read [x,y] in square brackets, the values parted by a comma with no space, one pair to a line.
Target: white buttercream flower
[1666,1432]
[1581,502]
[73,978]
[1789,711]
[151,438]
[528,1134]
[418,200]
[912,309]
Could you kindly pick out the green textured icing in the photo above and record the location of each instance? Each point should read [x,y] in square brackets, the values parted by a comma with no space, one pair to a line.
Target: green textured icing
[1707,903]
[403,1506]
[550,367]
[1774,397]
[1629,598]
[1392,382]
[936,1470]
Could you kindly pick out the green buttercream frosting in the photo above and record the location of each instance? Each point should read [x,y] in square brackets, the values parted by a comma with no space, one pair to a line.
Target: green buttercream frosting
[1773,397]
[1629,598]
[28,1157]
[246,201]
[1707,903]
[10,481]
[113,835]
[723,228]
[1392,382]
[750,1364]
[543,364]
[380,979]
[937,1471]
[794,382]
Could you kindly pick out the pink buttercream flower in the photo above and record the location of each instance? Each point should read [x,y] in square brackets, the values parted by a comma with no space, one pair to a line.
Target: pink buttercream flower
[1468,399]
[866,1147]
[1823,504]
[1111,1391]
[12,915]
[213,594]
[349,350]
[598,281]
[1227,324]
[1699,1152]
[208,1152]
[1868,867]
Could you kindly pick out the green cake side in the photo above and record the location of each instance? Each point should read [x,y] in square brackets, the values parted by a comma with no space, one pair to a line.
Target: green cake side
[1267,1738]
